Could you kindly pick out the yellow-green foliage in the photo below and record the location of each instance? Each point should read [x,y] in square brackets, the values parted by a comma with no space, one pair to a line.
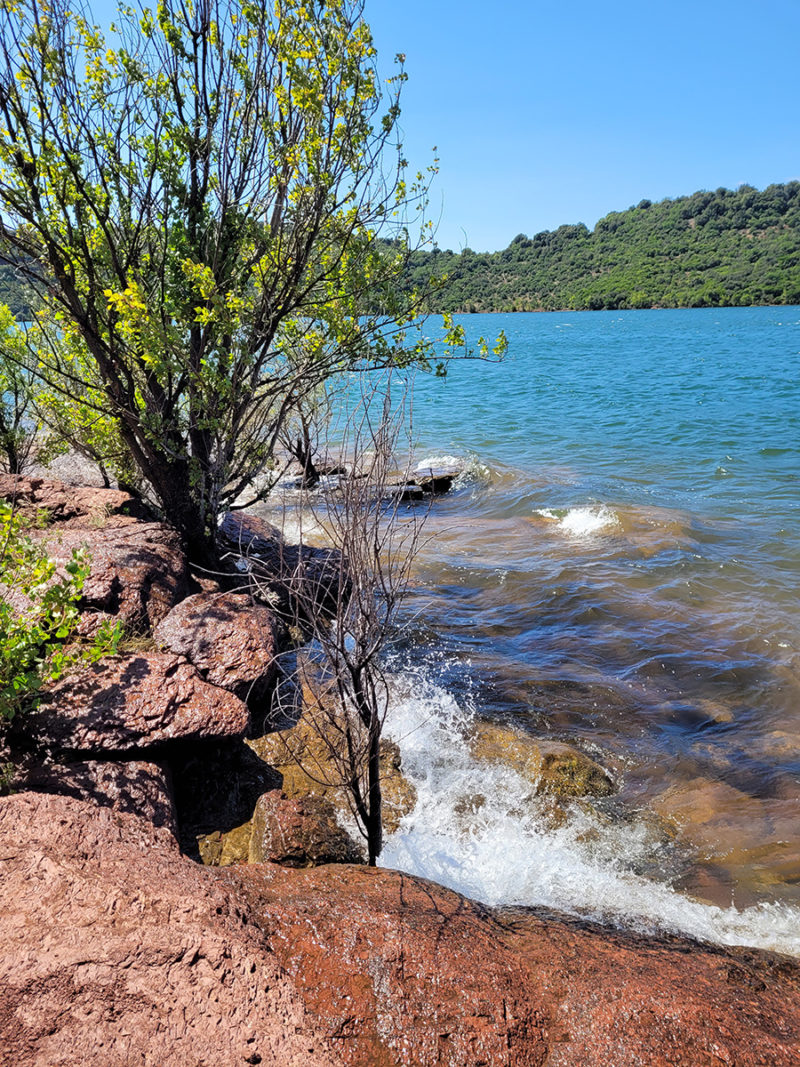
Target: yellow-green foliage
[199,191]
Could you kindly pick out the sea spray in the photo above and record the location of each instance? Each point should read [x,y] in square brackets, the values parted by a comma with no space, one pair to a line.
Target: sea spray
[582,522]
[478,828]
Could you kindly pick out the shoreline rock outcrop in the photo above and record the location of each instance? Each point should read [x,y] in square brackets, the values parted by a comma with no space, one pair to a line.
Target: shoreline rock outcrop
[118,951]
[230,639]
[135,701]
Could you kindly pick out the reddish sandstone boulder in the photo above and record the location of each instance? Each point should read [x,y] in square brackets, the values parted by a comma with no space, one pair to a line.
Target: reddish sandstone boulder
[401,971]
[301,832]
[301,578]
[136,787]
[231,640]
[115,951]
[138,567]
[138,570]
[135,701]
[249,535]
[65,503]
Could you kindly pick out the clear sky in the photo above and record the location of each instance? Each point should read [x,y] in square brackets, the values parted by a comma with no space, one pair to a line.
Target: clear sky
[545,113]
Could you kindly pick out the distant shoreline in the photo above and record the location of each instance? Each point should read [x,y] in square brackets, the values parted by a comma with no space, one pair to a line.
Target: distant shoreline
[613,311]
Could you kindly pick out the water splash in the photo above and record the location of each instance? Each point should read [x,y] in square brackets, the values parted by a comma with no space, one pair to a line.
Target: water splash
[478,829]
[582,522]
[469,470]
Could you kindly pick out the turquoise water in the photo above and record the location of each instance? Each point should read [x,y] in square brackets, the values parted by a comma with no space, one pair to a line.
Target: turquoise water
[640,491]
[690,408]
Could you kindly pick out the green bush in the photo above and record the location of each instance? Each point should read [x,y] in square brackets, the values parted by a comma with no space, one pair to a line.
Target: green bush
[38,617]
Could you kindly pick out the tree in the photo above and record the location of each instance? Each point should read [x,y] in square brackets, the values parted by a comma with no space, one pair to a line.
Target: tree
[17,418]
[196,197]
[376,535]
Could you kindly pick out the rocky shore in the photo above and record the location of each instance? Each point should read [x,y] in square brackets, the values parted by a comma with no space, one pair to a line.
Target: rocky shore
[119,946]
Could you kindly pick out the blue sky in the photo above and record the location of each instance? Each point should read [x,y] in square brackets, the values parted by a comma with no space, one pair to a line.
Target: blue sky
[545,113]
[552,112]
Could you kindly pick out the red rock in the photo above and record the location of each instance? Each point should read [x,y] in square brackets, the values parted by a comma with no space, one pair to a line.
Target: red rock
[114,952]
[401,971]
[135,701]
[138,570]
[65,503]
[231,641]
[303,578]
[301,832]
[136,787]
[251,535]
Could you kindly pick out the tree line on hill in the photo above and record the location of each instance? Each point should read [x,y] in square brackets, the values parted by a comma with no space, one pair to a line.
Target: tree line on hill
[726,248]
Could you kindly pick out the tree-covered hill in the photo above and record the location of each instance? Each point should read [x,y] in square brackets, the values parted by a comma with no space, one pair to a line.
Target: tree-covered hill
[705,250]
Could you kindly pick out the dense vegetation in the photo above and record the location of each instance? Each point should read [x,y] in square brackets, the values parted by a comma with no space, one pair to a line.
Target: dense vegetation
[195,200]
[710,249]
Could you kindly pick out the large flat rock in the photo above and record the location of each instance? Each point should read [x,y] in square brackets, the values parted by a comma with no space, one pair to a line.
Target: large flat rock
[403,971]
[65,503]
[115,950]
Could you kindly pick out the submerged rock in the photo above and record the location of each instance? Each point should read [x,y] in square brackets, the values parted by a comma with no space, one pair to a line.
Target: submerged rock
[553,768]
[756,843]
[302,755]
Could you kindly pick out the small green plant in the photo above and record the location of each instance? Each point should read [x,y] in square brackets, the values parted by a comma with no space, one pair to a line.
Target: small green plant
[38,617]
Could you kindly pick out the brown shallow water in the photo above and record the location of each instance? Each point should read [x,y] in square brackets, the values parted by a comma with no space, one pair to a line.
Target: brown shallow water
[633,632]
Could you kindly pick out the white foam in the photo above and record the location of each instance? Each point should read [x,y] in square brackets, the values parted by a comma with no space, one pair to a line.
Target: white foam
[300,526]
[582,522]
[469,470]
[478,829]
[453,463]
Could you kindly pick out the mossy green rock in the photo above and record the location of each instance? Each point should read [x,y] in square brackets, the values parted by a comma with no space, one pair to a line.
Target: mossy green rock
[301,832]
[553,768]
[225,848]
[303,757]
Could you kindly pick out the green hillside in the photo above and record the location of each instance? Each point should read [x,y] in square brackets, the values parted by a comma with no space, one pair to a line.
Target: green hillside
[16,293]
[705,250]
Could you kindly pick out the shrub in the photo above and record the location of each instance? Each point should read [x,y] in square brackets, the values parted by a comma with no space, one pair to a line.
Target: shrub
[38,617]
